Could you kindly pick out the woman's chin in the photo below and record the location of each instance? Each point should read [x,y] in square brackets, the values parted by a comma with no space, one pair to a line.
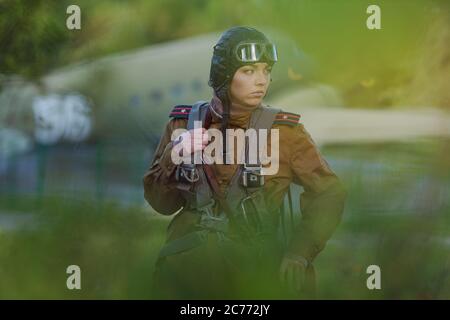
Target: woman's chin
[254,101]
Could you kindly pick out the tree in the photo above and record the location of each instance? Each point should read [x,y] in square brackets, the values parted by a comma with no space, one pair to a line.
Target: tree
[32,35]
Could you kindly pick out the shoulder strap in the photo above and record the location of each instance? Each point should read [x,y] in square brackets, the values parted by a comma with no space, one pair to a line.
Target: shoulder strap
[180,111]
[197,113]
[203,193]
[263,117]
[287,118]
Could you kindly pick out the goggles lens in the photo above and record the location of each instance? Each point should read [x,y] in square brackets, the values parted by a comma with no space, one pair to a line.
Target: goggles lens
[254,52]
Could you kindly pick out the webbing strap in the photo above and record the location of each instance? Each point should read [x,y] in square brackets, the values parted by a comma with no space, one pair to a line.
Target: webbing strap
[197,114]
[261,118]
[285,232]
[203,195]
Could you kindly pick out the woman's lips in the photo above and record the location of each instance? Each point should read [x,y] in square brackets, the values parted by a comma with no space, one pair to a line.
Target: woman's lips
[257,94]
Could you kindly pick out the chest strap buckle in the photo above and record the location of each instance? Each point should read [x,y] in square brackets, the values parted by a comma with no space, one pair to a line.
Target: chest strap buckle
[187,173]
[252,177]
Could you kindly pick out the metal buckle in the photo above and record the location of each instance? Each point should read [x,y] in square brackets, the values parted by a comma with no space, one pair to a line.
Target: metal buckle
[244,212]
[190,173]
[252,177]
[208,208]
[209,221]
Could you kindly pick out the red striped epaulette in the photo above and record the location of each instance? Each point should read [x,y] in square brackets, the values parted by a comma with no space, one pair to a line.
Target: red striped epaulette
[288,118]
[180,111]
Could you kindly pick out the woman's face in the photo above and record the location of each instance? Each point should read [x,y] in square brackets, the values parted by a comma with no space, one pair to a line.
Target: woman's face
[250,83]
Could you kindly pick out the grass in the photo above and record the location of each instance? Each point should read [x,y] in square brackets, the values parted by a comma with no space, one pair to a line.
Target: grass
[395,218]
[114,247]
[116,250]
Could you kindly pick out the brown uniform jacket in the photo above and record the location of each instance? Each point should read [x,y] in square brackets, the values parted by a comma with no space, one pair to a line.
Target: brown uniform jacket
[300,161]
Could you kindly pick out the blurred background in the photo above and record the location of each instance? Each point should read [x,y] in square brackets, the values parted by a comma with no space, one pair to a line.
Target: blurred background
[81,113]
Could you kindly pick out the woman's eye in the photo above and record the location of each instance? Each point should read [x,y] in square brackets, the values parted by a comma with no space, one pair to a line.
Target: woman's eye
[267,71]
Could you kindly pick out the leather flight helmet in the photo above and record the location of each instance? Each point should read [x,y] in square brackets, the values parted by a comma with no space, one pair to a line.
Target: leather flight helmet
[236,47]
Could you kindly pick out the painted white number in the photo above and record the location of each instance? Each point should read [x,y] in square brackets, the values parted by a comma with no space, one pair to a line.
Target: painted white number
[61,118]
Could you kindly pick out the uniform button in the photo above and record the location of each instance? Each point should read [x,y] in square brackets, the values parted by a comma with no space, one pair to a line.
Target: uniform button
[183,110]
[284,117]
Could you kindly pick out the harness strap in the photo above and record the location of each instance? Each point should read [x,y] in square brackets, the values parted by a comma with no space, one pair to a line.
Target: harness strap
[203,194]
[206,176]
[291,211]
[261,118]
[206,189]
[285,232]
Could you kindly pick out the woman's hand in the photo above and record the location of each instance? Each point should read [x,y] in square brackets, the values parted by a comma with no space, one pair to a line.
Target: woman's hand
[193,140]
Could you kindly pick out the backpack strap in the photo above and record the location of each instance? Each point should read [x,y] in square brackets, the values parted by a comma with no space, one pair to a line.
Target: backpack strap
[196,113]
[202,198]
[264,117]
[261,118]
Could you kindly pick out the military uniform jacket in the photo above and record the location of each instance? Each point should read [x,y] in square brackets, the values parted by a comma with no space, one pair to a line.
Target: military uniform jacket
[300,162]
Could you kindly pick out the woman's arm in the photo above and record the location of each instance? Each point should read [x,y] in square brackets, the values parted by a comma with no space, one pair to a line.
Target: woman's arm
[159,181]
[322,202]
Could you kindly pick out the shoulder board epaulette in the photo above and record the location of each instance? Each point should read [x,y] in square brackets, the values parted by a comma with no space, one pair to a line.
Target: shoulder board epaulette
[288,118]
[180,111]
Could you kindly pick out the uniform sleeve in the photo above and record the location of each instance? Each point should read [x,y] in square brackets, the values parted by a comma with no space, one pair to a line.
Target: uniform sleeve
[159,181]
[322,201]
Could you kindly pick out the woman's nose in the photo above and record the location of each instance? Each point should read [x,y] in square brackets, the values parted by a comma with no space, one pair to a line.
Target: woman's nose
[261,78]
